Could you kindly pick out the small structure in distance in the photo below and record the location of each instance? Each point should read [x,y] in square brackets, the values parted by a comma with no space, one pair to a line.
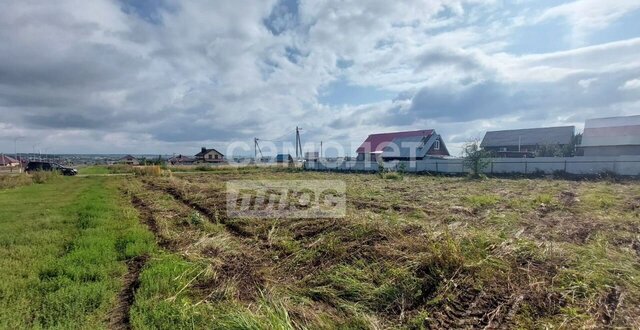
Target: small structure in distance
[209,156]
[181,160]
[129,160]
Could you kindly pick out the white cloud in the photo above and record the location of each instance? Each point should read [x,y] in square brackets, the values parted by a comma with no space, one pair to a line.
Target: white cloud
[586,16]
[631,84]
[211,73]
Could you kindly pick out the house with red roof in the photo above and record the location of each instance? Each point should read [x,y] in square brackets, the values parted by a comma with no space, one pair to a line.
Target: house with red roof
[407,145]
[6,161]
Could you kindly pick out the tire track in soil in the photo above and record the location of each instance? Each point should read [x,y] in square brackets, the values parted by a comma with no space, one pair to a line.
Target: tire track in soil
[255,258]
[246,266]
[211,215]
[476,309]
[146,216]
[119,318]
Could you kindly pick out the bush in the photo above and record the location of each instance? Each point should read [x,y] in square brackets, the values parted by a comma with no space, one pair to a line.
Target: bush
[120,168]
[153,170]
[393,176]
[12,181]
[44,176]
[475,159]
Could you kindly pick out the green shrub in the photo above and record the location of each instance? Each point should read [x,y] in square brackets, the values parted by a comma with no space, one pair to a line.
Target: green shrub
[393,176]
[44,176]
[12,181]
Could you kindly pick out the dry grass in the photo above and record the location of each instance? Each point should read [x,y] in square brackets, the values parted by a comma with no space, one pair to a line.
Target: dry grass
[412,252]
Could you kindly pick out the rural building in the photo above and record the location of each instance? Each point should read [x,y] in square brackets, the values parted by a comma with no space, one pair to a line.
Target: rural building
[6,161]
[311,156]
[181,160]
[129,160]
[284,158]
[408,145]
[209,156]
[523,143]
[614,136]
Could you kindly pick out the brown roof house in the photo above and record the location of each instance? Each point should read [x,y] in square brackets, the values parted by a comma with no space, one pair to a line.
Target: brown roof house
[129,160]
[407,145]
[6,161]
[209,156]
[181,160]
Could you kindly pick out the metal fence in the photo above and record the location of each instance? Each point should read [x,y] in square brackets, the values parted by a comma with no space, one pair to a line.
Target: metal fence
[621,165]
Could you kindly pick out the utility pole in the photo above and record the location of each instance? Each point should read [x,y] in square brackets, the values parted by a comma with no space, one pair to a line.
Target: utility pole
[320,149]
[298,143]
[33,154]
[15,145]
[297,137]
[256,149]
[519,140]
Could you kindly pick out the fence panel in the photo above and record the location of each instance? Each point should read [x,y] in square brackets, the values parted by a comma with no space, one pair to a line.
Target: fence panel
[623,165]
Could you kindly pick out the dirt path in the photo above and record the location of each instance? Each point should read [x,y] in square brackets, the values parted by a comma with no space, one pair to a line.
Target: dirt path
[119,318]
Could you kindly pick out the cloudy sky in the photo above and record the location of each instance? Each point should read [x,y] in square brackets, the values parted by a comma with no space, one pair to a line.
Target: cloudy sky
[145,76]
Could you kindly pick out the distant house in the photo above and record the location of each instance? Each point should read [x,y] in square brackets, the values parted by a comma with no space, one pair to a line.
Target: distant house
[522,143]
[284,158]
[6,161]
[408,145]
[614,136]
[311,156]
[181,160]
[209,156]
[129,160]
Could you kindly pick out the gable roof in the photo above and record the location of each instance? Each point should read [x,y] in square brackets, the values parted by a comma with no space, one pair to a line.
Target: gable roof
[375,143]
[411,147]
[529,136]
[612,131]
[181,158]
[205,151]
[127,157]
[6,160]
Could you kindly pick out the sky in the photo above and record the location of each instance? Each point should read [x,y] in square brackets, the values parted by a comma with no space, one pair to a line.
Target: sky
[168,76]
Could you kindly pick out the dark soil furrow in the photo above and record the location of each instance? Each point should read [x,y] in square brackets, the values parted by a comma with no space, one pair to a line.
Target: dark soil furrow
[119,317]
[146,215]
[213,215]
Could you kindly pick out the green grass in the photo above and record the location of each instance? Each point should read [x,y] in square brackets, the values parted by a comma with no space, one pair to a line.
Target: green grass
[63,251]
[94,170]
[409,252]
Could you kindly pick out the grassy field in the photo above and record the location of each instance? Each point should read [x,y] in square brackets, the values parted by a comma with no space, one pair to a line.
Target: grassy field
[64,246]
[413,252]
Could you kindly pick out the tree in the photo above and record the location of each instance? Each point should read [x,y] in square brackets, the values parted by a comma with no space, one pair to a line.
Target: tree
[475,158]
[556,150]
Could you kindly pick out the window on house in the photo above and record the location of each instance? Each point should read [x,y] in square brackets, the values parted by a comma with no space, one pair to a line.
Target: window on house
[216,156]
[210,156]
[437,145]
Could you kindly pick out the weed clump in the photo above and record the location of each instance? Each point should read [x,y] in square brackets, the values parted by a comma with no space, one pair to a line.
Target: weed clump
[40,177]
[153,170]
[13,181]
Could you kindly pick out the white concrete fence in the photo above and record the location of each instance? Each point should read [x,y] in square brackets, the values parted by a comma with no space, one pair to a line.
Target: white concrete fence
[622,165]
